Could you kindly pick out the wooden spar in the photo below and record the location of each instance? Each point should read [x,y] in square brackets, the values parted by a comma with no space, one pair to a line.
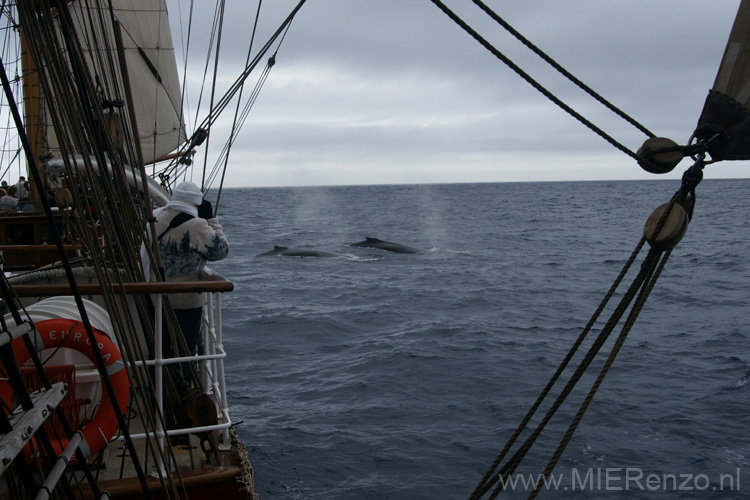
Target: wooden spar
[733,77]
[56,290]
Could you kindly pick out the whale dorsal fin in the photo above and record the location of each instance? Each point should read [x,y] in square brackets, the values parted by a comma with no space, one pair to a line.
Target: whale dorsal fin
[277,247]
[372,240]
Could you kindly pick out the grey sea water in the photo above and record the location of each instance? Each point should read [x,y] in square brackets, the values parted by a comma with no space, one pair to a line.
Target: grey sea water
[377,375]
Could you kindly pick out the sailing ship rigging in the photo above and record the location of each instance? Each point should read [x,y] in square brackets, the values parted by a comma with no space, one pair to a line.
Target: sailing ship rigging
[103,106]
[102,101]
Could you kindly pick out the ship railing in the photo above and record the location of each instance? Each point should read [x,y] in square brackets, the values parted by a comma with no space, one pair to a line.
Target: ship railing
[210,363]
[210,360]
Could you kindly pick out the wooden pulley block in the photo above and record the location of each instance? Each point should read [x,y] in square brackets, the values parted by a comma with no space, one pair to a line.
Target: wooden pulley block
[672,231]
[114,128]
[659,155]
[196,409]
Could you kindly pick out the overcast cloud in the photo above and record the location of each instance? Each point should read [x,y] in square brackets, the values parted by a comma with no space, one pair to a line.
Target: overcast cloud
[392,91]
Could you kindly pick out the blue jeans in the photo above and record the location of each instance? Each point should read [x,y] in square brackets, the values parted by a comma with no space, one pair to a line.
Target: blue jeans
[190,324]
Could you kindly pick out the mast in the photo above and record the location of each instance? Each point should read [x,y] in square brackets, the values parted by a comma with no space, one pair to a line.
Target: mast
[32,108]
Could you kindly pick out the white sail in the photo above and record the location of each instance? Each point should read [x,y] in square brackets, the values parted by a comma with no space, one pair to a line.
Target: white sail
[152,68]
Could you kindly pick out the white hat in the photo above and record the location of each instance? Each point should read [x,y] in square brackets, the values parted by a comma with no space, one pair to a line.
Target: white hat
[188,192]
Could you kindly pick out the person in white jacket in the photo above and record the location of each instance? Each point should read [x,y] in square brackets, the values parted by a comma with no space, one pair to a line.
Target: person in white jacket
[22,189]
[189,236]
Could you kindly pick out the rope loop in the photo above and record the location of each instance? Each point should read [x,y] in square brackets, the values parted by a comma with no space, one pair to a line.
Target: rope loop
[693,176]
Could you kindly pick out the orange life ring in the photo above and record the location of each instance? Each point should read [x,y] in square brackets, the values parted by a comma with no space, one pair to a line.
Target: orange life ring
[70,334]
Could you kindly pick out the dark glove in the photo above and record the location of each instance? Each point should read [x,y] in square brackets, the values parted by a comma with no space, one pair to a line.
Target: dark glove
[205,211]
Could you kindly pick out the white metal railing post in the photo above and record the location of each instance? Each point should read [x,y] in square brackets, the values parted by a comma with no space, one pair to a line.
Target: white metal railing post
[158,381]
[208,339]
[220,366]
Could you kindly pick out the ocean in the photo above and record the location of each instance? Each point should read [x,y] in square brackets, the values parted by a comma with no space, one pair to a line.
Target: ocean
[376,375]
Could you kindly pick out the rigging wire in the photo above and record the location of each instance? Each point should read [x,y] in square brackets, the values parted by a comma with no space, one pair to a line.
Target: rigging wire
[186,44]
[94,41]
[220,8]
[79,118]
[11,55]
[97,354]
[175,167]
[222,162]
[209,50]
[239,122]
[239,100]
[549,95]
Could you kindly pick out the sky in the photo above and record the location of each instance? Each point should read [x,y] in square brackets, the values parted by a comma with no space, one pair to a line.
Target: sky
[393,91]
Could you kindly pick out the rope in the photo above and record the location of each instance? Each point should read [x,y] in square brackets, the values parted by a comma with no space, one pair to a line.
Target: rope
[560,69]
[515,461]
[637,293]
[494,51]
[56,78]
[558,373]
[117,211]
[651,270]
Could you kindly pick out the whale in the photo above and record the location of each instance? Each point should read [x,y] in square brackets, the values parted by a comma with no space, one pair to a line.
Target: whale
[299,252]
[387,245]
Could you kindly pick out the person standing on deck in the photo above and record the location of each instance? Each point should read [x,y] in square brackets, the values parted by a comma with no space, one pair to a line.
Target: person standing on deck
[22,189]
[189,236]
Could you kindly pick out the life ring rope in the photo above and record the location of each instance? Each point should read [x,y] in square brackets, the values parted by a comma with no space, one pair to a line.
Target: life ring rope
[70,334]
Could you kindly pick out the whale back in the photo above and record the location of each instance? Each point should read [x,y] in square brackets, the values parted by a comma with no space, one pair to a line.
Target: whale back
[390,246]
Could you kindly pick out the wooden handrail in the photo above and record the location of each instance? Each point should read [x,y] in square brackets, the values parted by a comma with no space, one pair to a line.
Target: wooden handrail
[212,282]
[31,248]
[28,216]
